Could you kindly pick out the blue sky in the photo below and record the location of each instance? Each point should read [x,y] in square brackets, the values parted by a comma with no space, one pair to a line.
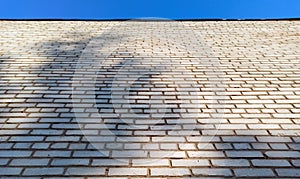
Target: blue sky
[127,9]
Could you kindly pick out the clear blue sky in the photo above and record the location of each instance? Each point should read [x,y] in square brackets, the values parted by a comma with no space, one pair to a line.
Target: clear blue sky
[127,9]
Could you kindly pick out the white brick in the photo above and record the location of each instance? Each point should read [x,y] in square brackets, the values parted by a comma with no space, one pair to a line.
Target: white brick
[170,172]
[190,163]
[212,172]
[127,172]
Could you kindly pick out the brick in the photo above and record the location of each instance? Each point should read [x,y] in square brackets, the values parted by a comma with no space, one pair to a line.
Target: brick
[284,172]
[40,145]
[186,146]
[168,146]
[283,132]
[43,171]
[59,145]
[127,172]
[62,138]
[101,139]
[46,132]
[67,162]
[133,139]
[260,146]
[296,163]
[232,126]
[270,163]
[276,146]
[190,162]
[22,145]
[296,139]
[274,139]
[129,154]
[238,139]
[15,153]
[30,125]
[3,162]
[85,171]
[205,154]
[293,146]
[212,172]
[244,154]
[77,146]
[223,146]
[283,154]
[217,132]
[167,154]
[10,171]
[52,153]
[230,162]
[241,146]
[29,162]
[170,172]
[150,162]
[13,132]
[150,146]
[205,146]
[260,122]
[86,153]
[168,139]
[264,126]
[26,138]
[110,162]
[203,139]
[250,172]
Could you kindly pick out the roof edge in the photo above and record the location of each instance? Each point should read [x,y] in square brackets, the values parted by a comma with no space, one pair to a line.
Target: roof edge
[212,19]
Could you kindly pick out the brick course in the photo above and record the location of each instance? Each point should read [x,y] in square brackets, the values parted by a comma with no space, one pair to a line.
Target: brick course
[215,99]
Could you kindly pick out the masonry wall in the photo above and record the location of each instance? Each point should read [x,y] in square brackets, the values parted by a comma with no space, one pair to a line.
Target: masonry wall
[232,110]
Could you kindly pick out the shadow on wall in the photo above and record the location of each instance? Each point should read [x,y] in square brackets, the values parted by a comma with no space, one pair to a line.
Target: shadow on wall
[50,131]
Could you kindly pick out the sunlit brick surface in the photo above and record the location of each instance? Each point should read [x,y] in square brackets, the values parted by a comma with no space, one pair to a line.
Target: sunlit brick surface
[246,126]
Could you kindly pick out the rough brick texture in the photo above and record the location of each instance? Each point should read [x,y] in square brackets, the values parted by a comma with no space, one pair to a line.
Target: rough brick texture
[195,129]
